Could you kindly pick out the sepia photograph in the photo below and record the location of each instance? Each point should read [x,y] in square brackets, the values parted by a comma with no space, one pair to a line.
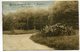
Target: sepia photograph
[40,25]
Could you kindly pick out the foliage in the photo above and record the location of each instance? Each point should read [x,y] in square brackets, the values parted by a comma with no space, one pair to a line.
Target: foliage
[7,22]
[58,30]
[65,12]
[36,19]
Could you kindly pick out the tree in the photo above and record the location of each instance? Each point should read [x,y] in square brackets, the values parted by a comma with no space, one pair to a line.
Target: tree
[65,12]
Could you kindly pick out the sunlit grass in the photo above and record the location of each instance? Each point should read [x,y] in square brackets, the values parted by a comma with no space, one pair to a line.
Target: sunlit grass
[20,32]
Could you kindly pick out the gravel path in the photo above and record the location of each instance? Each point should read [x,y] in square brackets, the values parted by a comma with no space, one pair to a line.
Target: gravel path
[21,42]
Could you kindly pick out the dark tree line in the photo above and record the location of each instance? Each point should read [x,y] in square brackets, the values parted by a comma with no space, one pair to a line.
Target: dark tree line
[65,12]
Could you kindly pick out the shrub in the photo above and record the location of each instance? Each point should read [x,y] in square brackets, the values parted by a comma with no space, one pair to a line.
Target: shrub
[57,30]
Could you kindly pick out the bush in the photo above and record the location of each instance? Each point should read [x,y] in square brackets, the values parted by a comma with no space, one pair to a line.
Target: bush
[57,30]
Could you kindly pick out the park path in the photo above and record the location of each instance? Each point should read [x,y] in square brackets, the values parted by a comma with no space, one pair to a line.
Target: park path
[21,42]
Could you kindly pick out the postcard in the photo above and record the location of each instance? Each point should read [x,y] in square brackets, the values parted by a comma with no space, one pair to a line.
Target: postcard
[40,25]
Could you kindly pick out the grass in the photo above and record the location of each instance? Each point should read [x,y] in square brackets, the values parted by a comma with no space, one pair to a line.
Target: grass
[58,42]
[16,32]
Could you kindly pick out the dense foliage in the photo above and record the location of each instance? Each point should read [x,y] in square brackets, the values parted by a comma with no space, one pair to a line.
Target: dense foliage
[60,12]
[65,12]
[57,30]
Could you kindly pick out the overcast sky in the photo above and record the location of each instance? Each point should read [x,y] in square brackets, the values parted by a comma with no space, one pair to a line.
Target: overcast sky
[12,6]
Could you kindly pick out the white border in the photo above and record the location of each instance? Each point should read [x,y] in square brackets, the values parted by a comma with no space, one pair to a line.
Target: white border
[1,44]
[39,0]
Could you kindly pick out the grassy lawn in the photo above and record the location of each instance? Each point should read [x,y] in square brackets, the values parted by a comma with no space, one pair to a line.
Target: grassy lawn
[58,42]
[20,32]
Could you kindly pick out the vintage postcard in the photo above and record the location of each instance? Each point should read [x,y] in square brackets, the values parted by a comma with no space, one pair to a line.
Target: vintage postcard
[40,25]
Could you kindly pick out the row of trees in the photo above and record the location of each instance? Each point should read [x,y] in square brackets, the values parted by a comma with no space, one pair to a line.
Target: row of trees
[25,20]
[65,12]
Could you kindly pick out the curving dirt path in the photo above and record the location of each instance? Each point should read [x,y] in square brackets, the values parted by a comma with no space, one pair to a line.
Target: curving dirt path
[21,42]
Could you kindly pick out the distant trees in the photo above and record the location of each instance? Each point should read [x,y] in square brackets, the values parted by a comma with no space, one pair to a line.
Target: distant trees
[7,22]
[28,19]
[65,12]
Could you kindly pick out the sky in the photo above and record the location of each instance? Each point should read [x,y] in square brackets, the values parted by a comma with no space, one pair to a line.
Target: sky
[12,6]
